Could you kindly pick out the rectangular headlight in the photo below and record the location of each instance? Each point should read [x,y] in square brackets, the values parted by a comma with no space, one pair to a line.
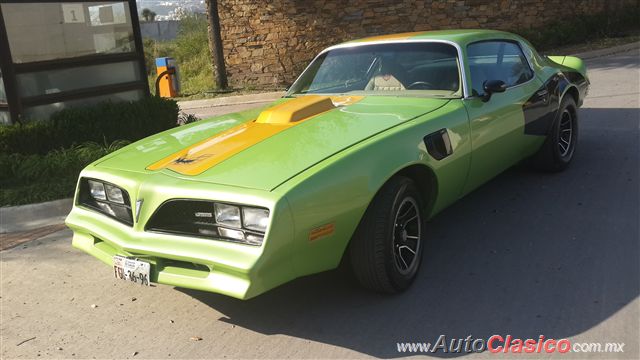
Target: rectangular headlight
[231,234]
[254,239]
[105,198]
[255,219]
[227,215]
[97,190]
[114,194]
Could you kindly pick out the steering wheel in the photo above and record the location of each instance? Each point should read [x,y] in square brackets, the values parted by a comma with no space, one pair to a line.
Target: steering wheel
[421,85]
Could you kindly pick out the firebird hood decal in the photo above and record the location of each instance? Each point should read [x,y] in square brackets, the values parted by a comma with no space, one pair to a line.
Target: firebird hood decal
[202,156]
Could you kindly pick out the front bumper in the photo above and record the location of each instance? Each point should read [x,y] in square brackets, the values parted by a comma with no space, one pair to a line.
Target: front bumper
[233,269]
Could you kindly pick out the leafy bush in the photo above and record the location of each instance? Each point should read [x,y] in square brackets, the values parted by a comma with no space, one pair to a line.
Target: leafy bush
[190,50]
[33,178]
[31,138]
[185,119]
[37,192]
[41,160]
[105,122]
[583,28]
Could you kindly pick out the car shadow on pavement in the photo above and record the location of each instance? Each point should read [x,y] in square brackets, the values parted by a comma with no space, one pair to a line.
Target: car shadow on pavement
[526,254]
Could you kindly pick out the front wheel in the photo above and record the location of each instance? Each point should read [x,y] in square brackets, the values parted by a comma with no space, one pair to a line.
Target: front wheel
[557,152]
[386,249]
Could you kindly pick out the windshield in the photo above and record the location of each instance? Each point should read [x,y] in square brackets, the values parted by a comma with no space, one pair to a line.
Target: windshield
[399,69]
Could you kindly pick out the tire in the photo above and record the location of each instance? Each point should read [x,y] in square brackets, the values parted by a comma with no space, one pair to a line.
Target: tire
[560,146]
[385,257]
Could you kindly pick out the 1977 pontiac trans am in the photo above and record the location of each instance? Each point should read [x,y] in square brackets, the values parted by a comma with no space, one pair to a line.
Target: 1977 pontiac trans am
[374,138]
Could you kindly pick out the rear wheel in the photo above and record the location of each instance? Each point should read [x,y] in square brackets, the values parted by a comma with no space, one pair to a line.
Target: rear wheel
[558,150]
[386,249]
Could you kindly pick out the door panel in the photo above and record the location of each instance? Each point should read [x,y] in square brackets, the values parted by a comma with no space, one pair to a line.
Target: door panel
[497,133]
[498,140]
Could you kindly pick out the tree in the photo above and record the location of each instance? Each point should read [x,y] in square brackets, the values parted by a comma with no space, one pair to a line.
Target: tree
[148,15]
[215,45]
[180,13]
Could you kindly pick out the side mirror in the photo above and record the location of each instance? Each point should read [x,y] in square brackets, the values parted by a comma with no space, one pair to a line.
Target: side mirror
[491,87]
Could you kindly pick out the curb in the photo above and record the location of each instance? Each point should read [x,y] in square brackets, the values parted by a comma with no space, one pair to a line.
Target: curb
[230,100]
[592,54]
[33,216]
[11,240]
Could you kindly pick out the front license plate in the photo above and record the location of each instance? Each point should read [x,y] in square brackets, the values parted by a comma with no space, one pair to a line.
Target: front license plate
[131,270]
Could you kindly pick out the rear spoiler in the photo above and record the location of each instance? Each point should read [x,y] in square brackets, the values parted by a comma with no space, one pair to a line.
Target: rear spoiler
[571,62]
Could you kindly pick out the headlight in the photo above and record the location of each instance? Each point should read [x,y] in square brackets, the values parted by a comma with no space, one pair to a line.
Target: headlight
[114,194]
[255,219]
[209,219]
[231,234]
[105,198]
[97,190]
[227,215]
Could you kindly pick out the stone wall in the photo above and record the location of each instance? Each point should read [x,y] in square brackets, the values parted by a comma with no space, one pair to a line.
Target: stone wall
[268,43]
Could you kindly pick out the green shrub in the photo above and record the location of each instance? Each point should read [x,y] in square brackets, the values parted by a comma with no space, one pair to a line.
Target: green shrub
[185,119]
[37,192]
[583,28]
[31,138]
[105,122]
[33,178]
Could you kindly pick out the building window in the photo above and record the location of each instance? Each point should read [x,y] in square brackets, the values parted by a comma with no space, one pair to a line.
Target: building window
[79,77]
[60,54]
[51,31]
[3,92]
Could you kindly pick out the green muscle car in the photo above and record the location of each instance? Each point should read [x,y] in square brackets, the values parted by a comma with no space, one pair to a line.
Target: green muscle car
[374,138]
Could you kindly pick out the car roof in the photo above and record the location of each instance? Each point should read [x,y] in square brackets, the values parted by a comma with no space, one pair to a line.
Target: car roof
[461,36]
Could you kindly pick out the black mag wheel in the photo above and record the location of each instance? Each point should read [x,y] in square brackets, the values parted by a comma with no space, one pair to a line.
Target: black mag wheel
[386,249]
[406,236]
[559,148]
[565,133]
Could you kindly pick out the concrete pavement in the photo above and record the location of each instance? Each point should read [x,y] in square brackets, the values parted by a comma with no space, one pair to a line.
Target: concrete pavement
[207,108]
[526,254]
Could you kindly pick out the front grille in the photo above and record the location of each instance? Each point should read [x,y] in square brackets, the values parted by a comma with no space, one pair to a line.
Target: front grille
[183,217]
[197,218]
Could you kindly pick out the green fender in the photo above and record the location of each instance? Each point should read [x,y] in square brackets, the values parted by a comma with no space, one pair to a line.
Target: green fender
[338,191]
[571,62]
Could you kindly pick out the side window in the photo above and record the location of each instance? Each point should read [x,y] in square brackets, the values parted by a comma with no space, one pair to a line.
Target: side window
[497,60]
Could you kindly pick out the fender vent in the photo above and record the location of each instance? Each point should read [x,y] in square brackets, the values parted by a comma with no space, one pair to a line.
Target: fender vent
[438,144]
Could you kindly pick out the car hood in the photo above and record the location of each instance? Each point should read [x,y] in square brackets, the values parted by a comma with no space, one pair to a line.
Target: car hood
[263,148]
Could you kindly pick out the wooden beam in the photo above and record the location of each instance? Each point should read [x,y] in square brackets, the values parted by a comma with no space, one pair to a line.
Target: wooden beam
[215,45]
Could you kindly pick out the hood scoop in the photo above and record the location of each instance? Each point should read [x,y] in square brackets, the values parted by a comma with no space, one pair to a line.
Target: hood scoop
[295,110]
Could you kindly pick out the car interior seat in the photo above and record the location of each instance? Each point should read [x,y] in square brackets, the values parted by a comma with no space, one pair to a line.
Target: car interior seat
[388,77]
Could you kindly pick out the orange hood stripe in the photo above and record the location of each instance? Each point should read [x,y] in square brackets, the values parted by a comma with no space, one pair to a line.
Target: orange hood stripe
[201,156]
